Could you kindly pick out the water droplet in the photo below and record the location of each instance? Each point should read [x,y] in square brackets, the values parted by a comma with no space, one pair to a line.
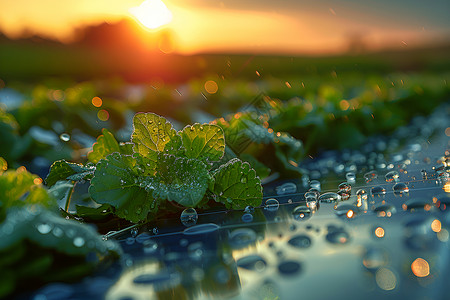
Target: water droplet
[400,189]
[375,258]
[346,210]
[134,231]
[252,262]
[271,205]
[337,235]
[346,187]
[149,246]
[201,229]
[301,213]
[65,137]
[344,195]
[289,267]
[44,228]
[378,191]
[391,176]
[286,188]
[315,184]
[329,197]
[249,209]
[155,230]
[78,242]
[241,238]
[369,176]
[351,177]
[300,241]
[192,128]
[189,217]
[247,218]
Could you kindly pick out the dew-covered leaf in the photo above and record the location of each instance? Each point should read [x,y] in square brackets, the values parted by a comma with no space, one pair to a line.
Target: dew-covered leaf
[178,179]
[154,133]
[18,188]
[49,230]
[63,170]
[115,183]
[60,191]
[203,141]
[106,144]
[94,213]
[236,185]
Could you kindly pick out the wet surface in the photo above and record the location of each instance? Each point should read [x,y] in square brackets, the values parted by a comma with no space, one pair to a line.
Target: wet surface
[371,225]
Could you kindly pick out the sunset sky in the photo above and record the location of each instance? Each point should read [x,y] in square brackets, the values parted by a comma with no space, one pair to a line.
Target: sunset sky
[282,26]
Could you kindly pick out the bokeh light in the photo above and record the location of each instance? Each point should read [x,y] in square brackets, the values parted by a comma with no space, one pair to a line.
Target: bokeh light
[97,102]
[420,267]
[379,232]
[211,87]
[436,225]
[386,279]
[103,115]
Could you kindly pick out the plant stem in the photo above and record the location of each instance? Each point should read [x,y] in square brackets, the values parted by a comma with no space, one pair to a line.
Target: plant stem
[69,197]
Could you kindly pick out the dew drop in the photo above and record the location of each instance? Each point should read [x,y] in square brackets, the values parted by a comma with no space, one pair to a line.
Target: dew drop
[329,197]
[289,267]
[400,189]
[189,217]
[241,238]
[249,209]
[44,228]
[391,176]
[301,212]
[371,175]
[252,262]
[247,218]
[78,242]
[65,137]
[378,191]
[271,205]
[351,177]
[300,241]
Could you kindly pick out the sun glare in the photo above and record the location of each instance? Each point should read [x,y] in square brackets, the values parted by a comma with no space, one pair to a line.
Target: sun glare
[152,14]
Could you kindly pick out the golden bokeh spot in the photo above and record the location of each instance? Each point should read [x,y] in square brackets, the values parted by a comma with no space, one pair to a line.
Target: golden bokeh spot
[420,267]
[446,187]
[344,105]
[103,115]
[447,131]
[350,214]
[21,169]
[288,84]
[257,73]
[211,87]
[436,225]
[379,232]
[97,102]
[37,181]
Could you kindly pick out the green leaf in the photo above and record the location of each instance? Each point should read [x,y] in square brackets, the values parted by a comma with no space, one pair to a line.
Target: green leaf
[106,144]
[60,191]
[154,133]
[63,170]
[262,171]
[203,141]
[115,183]
[49,230]
[126,148]
[94,213]
[236,185]
[18,188]
[178,179]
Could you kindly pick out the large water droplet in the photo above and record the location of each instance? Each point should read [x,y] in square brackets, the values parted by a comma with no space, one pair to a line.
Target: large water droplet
[369,176]
[391,176]
[315,184]
[272,205]
[351,177]
[301,213]
[346,187]
[252,262]
[241,238]
[300,241]
[247,218]
[286,188]
[201,229]
[329,197]
[289,267]
[378,191]
[400,189]
[337,235]
[189,217]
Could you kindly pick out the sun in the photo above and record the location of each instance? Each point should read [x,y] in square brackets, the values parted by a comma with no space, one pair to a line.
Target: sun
[152,14]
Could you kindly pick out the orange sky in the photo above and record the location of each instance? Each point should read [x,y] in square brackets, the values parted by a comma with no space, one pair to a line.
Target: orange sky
[283,26]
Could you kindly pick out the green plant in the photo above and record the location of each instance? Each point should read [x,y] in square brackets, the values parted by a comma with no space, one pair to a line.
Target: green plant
[161,166]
